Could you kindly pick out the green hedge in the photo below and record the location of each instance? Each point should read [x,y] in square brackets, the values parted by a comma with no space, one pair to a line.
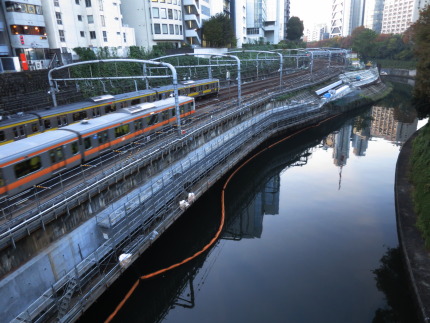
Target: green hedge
[420,176]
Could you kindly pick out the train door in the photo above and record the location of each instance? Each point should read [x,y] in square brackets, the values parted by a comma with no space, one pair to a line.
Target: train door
[32,128]
[62,121]
[103,139]
[56,156]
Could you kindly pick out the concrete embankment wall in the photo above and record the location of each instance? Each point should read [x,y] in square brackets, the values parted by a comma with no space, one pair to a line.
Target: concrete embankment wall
[66,253]
[399,72]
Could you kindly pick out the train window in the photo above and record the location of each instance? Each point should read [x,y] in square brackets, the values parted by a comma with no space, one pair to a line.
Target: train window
[15,132]
[28,166]
[87,143]
[151,120]
[62,120]
[47,123]
[122,130]
[135,101]
[193,89]
[78,116]
[56,155]
[75,148]
[206,86]
[103,137]
[110,108]
[34,127]
[182,109]
[173,112]
[165,115]
[2,136]
[138,125]
[21,131]
[1,180]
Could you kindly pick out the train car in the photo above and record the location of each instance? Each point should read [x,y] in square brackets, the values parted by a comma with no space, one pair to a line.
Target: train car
[32,123]
[32,160]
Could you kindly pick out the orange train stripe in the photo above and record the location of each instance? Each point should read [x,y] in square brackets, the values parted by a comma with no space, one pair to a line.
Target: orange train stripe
[47,170]
[44,171]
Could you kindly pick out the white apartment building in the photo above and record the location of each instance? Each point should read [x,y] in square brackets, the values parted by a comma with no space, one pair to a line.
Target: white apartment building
[155,21]
[316,32]
[255,19]
[399,15]
[86,23]
[238,9]
[274,25]
[26,30]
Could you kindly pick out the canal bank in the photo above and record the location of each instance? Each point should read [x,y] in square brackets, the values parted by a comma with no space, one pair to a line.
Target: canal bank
[415,255]
[91,266]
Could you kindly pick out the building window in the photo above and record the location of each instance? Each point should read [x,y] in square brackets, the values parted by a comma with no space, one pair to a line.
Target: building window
[170,12]
[176,29]
[175,14]
[125,37]
[155,13]
[87,3]
[82,33]
[163,13]
[171,29]
[77,1]
[180,14]
[102,20]
[56,4]
[101,5]
[62,38]
[165,29]
[92,34]
[79,17]
[180,30]
[58,16]
[90,19]
[105,36]
[157,29]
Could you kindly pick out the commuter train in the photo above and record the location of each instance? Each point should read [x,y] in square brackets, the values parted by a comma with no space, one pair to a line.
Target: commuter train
[36,122]
[32,160]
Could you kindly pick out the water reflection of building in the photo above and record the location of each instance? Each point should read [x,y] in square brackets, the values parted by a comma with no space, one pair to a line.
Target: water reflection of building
[385,126]
[360,141]
[341,145]
[249,224]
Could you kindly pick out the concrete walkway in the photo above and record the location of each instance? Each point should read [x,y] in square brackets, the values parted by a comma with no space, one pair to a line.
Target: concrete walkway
[416,257]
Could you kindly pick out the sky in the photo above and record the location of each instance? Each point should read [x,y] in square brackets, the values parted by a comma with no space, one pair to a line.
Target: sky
[311,11]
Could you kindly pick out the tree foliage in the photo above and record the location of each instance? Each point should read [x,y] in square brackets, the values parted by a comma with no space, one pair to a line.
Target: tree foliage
[218,31]
[421,38]
[371,46]
[295,28]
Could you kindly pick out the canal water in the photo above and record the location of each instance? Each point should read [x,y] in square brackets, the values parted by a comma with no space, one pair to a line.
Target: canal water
[310,235]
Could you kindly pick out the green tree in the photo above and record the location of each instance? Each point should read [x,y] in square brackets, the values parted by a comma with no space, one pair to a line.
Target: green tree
[421,38]
[218,31]
[294,28]
[363,42]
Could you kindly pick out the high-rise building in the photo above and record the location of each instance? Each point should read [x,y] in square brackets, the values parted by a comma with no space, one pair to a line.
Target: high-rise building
[373,13]
[399,15]
[238,16]
[346,16]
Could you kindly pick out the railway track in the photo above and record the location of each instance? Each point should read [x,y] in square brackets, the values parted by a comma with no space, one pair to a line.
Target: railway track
[18,208]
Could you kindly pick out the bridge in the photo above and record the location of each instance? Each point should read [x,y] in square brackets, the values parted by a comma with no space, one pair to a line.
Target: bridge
[126,199]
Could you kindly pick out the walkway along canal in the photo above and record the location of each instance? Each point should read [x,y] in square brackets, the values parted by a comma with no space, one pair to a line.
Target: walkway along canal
[125,223]
[310,236]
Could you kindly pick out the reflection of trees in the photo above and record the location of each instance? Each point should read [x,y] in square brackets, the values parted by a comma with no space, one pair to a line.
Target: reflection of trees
[391,279]
[400,100]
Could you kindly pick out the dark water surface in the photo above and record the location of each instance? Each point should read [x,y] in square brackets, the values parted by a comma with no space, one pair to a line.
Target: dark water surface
[310,236]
